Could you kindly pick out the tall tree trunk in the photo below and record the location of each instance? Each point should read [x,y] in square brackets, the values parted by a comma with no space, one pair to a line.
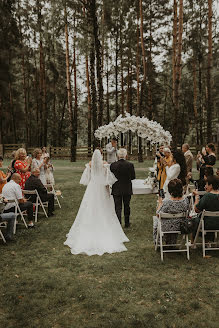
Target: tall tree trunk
[107,89]
[195,101]
[177,74]
[75,118]
[12,113]
[68,84]
[209,79]
[116,72]
[92,6]
[93,91]
[89,135]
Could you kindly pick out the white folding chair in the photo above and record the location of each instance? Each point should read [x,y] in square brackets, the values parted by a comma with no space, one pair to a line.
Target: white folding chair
[201,228]
[37,203]
[50,188]
[18,212]
[3,224]
[161,233]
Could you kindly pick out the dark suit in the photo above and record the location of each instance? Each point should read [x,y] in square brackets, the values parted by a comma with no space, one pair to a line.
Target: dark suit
[122,189]
[33,183]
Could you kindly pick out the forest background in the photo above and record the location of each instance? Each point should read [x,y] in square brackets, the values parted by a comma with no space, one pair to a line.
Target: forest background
[67,67]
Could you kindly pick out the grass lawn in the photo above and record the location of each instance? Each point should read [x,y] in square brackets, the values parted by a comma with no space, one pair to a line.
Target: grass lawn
[44,285]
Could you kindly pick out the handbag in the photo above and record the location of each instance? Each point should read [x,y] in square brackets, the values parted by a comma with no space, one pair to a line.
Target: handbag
[187,226]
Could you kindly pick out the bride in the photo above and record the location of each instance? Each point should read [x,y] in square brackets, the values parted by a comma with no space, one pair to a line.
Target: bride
[96,229]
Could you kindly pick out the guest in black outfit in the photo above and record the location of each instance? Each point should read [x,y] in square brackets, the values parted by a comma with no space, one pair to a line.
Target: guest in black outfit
[207,159]
[122,189]
[32,183]
[200,183]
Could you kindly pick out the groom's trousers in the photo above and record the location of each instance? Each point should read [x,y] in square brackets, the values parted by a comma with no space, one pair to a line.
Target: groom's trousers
[118,200]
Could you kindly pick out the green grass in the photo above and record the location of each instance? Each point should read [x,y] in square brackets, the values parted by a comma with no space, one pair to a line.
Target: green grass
[44,285]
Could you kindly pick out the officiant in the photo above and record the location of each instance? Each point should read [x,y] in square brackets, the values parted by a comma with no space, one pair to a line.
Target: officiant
[111,150]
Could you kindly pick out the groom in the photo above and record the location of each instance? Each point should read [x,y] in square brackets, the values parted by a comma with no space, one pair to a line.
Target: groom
[122,189]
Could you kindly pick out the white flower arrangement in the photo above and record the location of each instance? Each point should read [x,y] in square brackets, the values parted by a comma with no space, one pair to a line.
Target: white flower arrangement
[146,129]
[151,180]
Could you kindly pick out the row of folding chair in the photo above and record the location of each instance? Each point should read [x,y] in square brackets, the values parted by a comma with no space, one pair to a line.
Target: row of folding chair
[185,244]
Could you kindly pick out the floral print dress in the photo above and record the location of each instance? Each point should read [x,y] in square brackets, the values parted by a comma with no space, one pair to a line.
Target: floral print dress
[24,176]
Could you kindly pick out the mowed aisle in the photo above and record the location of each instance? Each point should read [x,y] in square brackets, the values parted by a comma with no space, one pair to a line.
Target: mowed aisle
[44,285]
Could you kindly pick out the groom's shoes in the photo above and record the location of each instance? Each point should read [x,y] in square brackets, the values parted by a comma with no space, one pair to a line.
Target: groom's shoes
[127,225]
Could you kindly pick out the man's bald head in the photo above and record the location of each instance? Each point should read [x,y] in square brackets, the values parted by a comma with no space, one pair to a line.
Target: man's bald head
[16,178]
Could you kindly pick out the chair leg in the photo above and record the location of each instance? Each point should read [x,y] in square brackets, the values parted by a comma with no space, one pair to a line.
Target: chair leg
[161,242]
[203,239]
[41,204]
[187,246]
[2,236]
[36,209]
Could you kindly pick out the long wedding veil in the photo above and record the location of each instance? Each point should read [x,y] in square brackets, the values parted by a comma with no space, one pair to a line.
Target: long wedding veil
[96,162]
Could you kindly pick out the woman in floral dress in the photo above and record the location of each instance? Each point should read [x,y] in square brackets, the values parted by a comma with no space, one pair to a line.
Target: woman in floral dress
[22,165]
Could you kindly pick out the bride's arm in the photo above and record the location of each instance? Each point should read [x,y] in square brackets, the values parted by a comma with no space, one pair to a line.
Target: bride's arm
[85,178]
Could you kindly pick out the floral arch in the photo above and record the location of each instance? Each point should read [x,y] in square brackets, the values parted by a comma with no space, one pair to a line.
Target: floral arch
[144,128]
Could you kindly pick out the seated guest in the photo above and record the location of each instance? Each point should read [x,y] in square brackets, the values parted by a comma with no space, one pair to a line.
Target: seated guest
[3,177]
[9,218]
[176,204]
[200,183]
[209,202]
[22,165]
[12,190]
[35,183]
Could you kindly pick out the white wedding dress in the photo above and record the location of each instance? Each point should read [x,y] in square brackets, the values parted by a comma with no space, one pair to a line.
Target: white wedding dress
[96,229]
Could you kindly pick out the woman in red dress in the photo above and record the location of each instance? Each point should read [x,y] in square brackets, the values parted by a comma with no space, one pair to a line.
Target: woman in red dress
[22,165]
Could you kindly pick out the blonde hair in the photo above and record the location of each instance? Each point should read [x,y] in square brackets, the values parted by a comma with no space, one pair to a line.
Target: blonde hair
[18,152]
[36,152]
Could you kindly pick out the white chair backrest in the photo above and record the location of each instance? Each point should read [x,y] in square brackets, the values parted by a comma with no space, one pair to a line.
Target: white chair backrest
[29,192]
[209,213]
[201,193]
[173,216]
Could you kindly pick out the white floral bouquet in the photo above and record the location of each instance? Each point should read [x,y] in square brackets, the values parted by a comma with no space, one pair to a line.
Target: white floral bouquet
[146,129]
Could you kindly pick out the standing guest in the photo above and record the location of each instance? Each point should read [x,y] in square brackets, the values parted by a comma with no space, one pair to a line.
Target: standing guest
[11,169]
[188,156]
[40,163]
[3,176]
[175,169]
[34,183]
[122,189]
[11,191]
[44,153]
[164,160]
[159,155]
[49,171]
[111,149]
[22,165]
[209,202]
[207,159]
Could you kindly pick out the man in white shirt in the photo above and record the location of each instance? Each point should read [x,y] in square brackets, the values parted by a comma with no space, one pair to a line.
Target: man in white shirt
[111,150]
[12,190]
